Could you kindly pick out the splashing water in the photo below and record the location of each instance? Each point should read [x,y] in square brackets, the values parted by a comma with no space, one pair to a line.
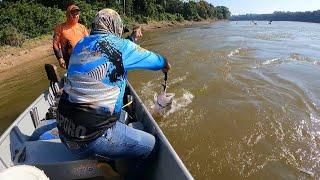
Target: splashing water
[179,103]
[234,52]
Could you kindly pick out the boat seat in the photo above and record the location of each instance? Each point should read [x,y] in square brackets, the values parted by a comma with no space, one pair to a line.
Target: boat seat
[46,130]
[47,151]
[59,163]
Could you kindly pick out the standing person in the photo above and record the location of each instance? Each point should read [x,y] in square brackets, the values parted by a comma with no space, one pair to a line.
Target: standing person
[92,98]
[67,35]
[136,34]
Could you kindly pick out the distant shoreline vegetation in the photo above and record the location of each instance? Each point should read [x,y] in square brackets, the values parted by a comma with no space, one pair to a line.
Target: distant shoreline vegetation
[308,16]
[25,19]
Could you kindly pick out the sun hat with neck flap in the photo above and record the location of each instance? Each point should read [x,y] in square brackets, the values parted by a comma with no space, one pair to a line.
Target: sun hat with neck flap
[107,21]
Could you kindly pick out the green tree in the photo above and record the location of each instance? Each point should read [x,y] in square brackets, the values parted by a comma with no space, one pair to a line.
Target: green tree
[222,12]
[190,11]
[31,18]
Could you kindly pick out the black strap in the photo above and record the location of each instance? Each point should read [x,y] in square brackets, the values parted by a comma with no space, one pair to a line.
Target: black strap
[165,81]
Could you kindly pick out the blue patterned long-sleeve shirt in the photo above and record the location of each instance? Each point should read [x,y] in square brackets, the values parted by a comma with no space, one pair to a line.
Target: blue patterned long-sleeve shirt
[98,69]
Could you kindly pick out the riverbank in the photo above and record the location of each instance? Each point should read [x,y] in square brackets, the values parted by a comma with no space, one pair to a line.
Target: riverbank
[33,49]
[39,48]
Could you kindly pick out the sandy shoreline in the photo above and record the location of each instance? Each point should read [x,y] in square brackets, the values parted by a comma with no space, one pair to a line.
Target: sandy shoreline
[35,49]
[39,48]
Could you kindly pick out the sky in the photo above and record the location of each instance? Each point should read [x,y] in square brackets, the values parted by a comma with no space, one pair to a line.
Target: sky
[266,6]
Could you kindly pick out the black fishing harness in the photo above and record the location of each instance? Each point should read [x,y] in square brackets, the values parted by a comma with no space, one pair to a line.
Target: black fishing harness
[82,122]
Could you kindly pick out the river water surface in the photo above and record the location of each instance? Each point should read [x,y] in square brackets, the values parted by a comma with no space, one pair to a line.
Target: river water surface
[247,99]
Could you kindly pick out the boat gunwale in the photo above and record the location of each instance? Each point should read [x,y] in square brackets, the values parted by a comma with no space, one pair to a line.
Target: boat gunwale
[21,116]
[155,125]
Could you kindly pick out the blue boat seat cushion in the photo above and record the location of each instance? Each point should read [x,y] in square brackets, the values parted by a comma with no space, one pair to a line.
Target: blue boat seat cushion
[45,131]
[47,151]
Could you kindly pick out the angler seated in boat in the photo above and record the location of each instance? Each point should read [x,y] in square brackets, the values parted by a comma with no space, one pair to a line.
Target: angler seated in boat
[90,105]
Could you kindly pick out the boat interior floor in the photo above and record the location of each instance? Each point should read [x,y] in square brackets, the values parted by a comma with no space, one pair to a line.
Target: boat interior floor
[52,156]
[58,162]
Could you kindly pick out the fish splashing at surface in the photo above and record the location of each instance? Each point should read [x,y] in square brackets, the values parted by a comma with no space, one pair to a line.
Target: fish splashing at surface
[162,102]
[180,103]
[234,52]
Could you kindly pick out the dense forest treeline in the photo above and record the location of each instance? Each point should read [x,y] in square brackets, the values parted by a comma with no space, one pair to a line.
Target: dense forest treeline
[309,16]
[23,19]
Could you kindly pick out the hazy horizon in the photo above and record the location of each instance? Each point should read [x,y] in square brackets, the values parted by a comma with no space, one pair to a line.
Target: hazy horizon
[269,13]
[241,7]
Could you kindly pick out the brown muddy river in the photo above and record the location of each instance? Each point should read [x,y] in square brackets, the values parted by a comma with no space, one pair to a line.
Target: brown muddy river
[247,99]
